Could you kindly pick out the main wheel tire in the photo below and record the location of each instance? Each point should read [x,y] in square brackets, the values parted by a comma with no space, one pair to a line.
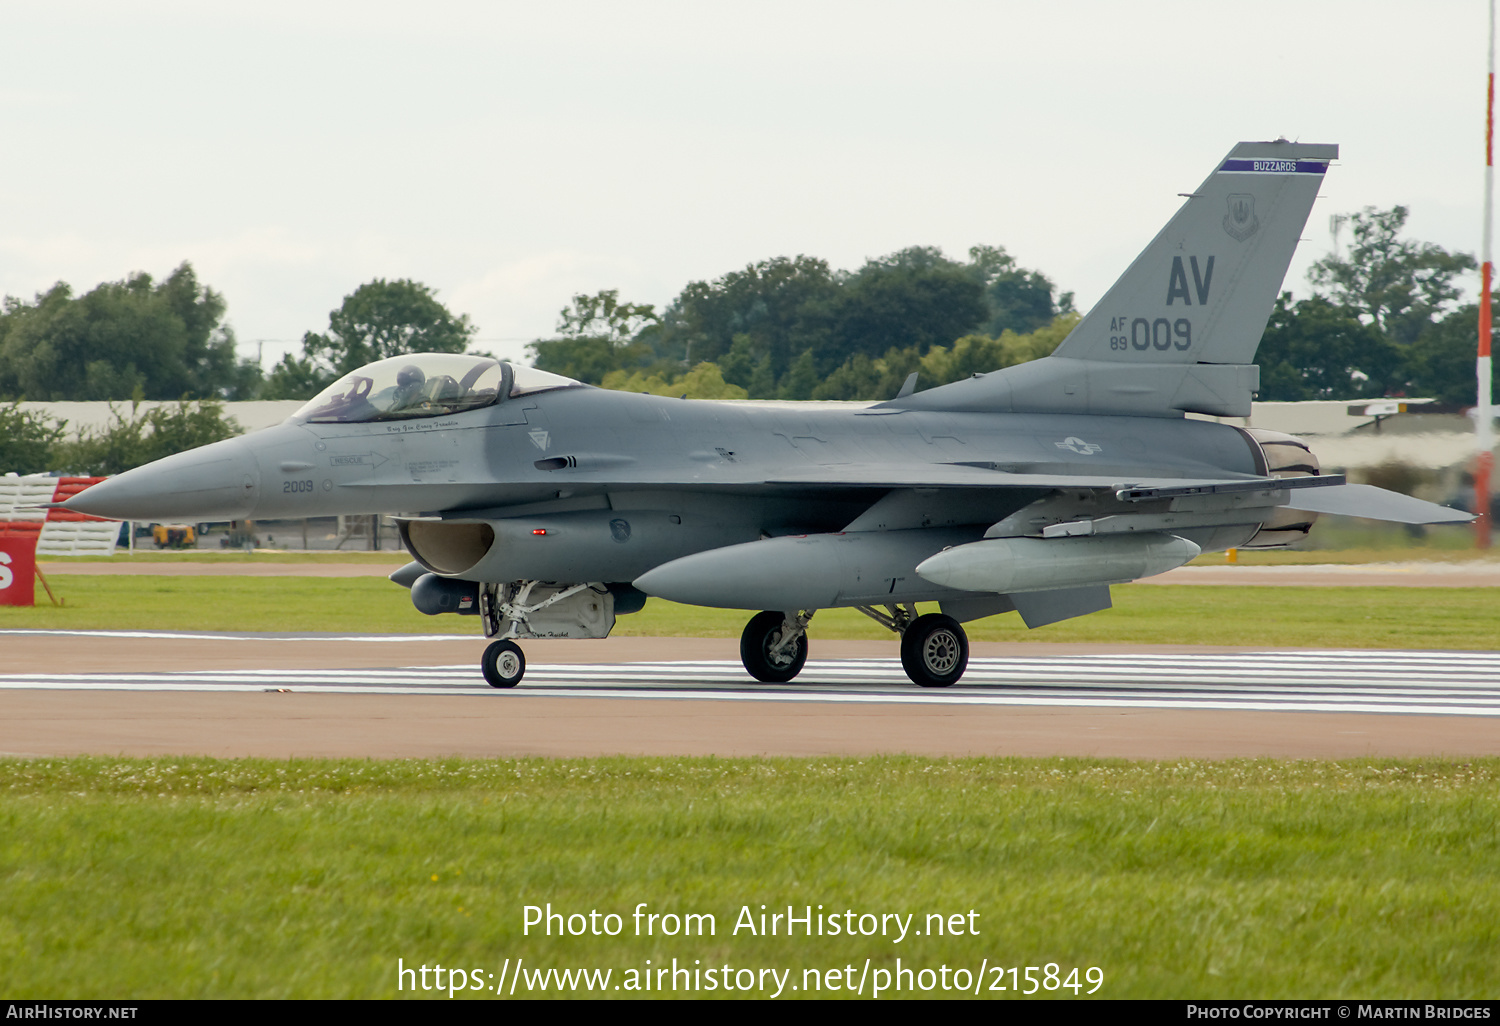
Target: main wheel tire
[761,633]
[503,664]
[934,651]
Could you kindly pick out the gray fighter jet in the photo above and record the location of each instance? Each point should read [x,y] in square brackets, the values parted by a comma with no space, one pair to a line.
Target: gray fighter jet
[547,507]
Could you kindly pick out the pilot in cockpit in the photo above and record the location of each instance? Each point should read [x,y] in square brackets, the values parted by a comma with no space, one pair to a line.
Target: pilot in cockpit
[407,391]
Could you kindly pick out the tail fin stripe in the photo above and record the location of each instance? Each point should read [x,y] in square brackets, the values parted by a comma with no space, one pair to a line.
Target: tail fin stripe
[1272,166]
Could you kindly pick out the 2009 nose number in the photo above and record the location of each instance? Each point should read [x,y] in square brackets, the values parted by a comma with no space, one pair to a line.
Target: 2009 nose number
[296,486]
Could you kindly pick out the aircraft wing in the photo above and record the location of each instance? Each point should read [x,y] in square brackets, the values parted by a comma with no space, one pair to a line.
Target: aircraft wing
[1326,493]
[959,475]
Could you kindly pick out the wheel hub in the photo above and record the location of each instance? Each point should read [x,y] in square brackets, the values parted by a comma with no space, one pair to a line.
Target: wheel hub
[940,653]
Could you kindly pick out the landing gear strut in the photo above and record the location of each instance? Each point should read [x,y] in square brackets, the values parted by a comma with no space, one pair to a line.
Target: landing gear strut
[537,609]
[934,647]
[774,646]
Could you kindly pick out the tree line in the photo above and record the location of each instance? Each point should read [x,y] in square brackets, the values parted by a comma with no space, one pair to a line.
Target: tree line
[1382,319]
[794,328]
[137,339]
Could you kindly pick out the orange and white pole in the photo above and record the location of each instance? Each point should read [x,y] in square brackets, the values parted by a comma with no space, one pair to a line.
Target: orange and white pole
[1484,413]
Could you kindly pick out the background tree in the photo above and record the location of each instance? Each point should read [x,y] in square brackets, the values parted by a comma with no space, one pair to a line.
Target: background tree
[378,320]
[160,340]
[27,440]
[602,315]
[915,297]
[1440,363]
[1019,300]
[755,321]
[136,439]
[861,377]
[597,335]
[793,328]
[296,377]
[1379,322]
[702,382]
[1316,349]
[1401,286]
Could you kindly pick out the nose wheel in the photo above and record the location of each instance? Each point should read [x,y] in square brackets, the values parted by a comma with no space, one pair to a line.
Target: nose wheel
[503,664]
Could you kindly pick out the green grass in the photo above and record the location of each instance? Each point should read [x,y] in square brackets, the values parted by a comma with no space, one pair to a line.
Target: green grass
[1337,533]
[1460,618]
[1351,556]
[149,555]
[194,878]
[228,603]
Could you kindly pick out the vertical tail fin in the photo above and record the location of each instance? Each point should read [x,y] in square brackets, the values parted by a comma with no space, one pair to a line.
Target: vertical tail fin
[1178,332]
[1202,291]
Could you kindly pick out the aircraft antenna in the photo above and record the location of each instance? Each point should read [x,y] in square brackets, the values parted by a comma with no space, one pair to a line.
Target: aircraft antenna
[1484,413]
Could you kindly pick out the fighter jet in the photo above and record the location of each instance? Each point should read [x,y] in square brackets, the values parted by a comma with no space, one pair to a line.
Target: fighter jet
[547,507]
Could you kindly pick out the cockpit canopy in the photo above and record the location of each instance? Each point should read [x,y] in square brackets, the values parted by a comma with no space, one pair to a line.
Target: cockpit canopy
[424,385]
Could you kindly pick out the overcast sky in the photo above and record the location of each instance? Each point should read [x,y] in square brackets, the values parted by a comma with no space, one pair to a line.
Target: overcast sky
[512,154]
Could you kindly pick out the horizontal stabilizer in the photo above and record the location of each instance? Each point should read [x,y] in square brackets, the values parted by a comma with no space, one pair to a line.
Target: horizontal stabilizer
[1361,500]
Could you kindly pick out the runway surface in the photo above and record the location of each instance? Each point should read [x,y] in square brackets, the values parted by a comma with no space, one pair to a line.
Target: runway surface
[1420,683]
[150,693]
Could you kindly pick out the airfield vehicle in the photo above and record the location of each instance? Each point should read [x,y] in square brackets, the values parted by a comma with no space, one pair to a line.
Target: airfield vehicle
[548,507]
[174,536]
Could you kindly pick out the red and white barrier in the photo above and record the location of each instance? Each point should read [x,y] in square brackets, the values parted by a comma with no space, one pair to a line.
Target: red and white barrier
[17,568]
[54,532]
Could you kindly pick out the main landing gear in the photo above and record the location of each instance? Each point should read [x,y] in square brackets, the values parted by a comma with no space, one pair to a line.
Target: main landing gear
[934,647]
[934,650]
[774,646]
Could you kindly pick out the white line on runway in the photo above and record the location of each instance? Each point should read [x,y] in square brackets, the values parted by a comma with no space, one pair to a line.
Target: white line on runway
[1446,683]
[246,636]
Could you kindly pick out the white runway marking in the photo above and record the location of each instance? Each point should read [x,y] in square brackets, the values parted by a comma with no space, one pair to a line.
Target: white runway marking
[209,636]
[1444,683]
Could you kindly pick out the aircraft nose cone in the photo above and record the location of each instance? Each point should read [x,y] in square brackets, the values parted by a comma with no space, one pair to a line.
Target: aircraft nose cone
[216,482]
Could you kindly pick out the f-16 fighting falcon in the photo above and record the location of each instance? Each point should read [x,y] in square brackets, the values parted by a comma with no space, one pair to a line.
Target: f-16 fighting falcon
[548,507]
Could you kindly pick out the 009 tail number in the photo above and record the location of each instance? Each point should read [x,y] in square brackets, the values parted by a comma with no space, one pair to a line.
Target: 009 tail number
[1141,334]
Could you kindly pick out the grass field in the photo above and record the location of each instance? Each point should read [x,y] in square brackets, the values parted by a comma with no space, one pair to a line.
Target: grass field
[1274,617]
[1364,554]
[194,878]
[1348,541]
[273,556]
[203,878]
